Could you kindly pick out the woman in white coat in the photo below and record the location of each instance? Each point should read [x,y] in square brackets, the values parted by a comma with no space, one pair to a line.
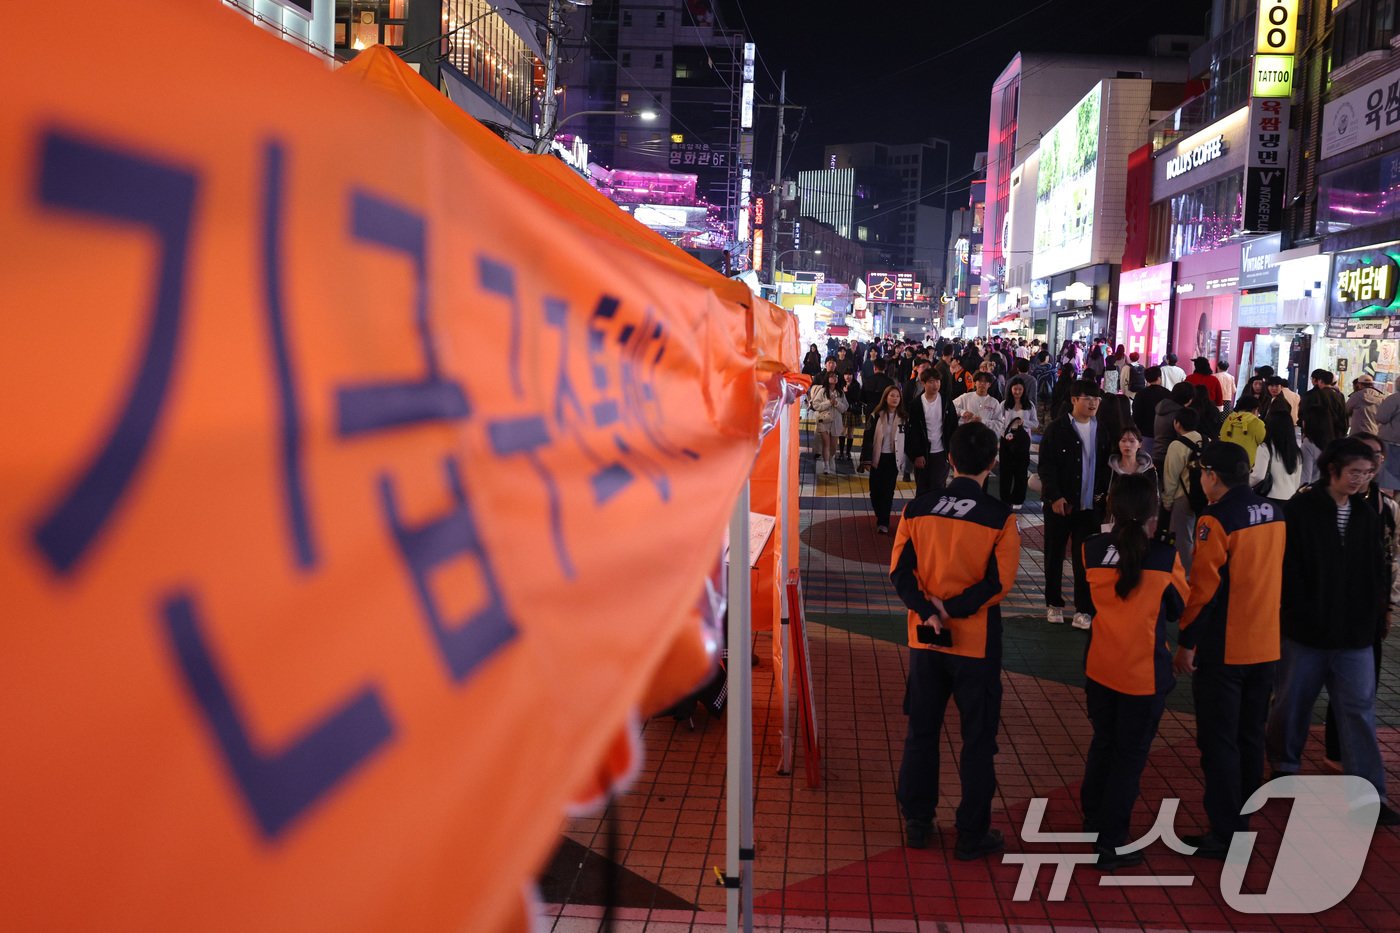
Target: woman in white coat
[828,405]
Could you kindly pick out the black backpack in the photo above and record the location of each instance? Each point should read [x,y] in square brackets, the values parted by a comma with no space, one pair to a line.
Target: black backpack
[1137,377]
[1195,492]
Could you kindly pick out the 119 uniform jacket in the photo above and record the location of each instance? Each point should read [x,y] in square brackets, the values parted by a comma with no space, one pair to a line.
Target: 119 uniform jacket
[962,547]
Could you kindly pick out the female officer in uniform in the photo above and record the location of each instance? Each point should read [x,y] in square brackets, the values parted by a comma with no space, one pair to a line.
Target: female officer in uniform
[1138,586]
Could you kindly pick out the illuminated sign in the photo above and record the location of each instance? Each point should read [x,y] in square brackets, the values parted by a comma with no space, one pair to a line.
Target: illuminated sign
[1266,164]
[886,287]
[1273,76]
[1278,27]
[1066,188]
[746,96]
[758,249]
[1146,285]
[1367,278]
[1185,160]
[743,226]
[1259,262]
[758,212]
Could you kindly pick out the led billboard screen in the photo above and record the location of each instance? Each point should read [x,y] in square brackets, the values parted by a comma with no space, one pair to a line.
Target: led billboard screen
[891,287]
[1065,190]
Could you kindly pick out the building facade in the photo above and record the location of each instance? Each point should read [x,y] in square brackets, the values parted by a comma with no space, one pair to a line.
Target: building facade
[1031,94]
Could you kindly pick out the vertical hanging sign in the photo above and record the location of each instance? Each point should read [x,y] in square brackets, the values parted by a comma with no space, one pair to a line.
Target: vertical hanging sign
[1266,163]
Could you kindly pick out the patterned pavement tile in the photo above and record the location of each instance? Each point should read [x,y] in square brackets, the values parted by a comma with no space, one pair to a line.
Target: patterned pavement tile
[832,858]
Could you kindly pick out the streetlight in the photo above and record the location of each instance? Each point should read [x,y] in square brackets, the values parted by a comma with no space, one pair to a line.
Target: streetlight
[542,145]
[779,258]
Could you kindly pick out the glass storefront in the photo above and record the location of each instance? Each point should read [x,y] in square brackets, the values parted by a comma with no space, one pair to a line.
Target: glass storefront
[1349,359]
[1359,195]
[1204,218]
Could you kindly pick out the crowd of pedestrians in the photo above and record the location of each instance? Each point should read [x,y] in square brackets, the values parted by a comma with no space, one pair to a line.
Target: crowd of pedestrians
[1256,523]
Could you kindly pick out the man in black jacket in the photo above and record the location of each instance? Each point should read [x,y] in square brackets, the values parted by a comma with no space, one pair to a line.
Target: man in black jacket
[1335,599]
[1322,417]
[928,432]
[1074,476]
[1145,408]
[874,385]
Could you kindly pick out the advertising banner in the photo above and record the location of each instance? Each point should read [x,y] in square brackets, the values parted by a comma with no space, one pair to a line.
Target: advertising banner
[316,410]
[1365,114]
[1266,165]
[1259,262]
[1065,189]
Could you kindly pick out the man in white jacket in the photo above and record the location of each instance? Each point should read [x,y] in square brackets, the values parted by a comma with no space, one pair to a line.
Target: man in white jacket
[979,405]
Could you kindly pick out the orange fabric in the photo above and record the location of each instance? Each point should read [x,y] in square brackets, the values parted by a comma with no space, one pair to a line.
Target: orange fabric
[352,458]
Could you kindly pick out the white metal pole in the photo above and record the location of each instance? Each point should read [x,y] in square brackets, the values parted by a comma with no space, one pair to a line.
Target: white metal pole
[739,759]
[785,428]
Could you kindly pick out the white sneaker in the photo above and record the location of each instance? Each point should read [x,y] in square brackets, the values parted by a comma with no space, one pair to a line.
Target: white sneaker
[1082,620]
[1054,615]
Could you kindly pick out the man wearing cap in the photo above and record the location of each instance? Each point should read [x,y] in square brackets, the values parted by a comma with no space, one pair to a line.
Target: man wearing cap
[1365,401]
[1230,639]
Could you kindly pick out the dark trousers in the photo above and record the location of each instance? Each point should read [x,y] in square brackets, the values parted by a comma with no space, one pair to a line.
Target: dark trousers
[1124,727]
[883,477]
[1013,478]
[1232,709]
[975,685]
[934,476]
[1334,744]
[1060,530]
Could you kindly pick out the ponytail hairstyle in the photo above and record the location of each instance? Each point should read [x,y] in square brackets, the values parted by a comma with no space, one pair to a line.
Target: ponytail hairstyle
[1132,503]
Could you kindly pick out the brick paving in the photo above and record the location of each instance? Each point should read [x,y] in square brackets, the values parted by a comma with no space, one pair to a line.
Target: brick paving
[832,858]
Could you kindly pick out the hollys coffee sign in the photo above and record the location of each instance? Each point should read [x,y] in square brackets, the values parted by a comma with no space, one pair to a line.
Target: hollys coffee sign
[1193,158]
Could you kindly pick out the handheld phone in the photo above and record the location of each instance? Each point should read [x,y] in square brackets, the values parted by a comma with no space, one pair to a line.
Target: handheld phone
[927,635]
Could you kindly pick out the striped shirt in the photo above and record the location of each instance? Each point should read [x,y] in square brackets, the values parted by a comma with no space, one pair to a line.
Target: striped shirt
[1343,516]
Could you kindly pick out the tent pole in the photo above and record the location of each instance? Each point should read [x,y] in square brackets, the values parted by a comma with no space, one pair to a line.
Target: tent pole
[785,637]
[739,758]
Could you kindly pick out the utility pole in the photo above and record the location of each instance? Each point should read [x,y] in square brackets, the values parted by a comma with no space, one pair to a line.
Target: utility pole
[549,106]
[777,185]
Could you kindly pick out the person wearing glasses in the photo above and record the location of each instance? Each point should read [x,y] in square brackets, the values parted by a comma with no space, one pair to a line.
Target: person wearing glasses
[1336,595]
[1389,511]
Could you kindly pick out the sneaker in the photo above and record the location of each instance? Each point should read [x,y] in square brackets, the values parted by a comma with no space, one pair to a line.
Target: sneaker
[1054,615]
[882,529]
[1208,845]
[1111,861]
[1082,620]
[917,835]
[1016,507]
[990,844]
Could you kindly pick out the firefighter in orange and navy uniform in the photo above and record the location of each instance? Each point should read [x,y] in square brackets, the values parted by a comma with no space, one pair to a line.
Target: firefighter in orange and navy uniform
[955,557]
[1229,638]
[1138,587]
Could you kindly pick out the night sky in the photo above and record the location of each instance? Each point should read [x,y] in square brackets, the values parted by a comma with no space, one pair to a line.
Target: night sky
[903,70]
